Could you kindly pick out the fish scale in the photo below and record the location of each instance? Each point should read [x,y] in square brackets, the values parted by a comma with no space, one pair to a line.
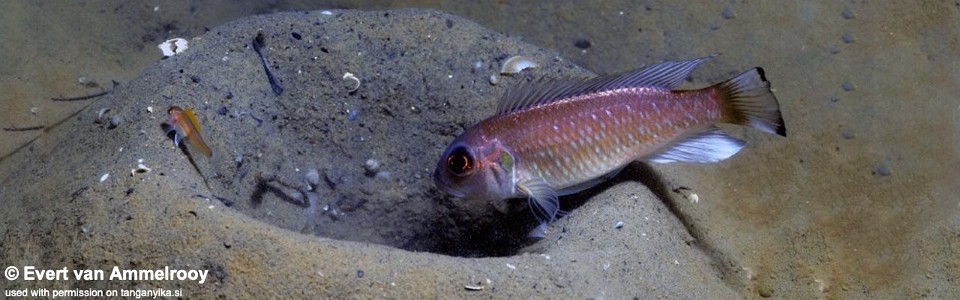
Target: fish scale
[558,128]
[550,139]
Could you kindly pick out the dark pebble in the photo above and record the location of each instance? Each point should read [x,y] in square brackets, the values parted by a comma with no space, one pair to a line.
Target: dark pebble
[882,170]
[847,86]
[848,13]
[848,38]
[834,50]
[359,273]
[222,111]
[296,35]
[834,99]
[847,135]
[583,44]
[728,14]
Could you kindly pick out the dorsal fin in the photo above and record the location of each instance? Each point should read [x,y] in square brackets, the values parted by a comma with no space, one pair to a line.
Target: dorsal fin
[666,75]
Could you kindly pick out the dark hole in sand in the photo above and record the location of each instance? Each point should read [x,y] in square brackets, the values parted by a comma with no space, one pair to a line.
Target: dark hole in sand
[349,205]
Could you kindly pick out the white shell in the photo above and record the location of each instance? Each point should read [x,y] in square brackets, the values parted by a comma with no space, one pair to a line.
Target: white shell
[104,177]
[141,168]
[100,114]
[173,47]
[516,64]
[350,76]
[372,166]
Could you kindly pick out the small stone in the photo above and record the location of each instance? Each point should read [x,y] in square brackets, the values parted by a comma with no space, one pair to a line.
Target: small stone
[882,170]
[494,79]
[114,121]
[618,225]
[352,114]
[359,273]
[847,86]
[848,13]
[312,177]
[848,38]
[728,14]
[765,292]
[583,44]
[834,50]
[847,135]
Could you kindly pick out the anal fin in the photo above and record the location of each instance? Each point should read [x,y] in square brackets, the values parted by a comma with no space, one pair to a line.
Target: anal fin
[708,146]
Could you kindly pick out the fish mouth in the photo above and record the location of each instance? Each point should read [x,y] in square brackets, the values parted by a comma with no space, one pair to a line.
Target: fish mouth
[443,185]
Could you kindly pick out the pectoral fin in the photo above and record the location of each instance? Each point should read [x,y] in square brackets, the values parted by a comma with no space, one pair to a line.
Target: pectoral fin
[542,199]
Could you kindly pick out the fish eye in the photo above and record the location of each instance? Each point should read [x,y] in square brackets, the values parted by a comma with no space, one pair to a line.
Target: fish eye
[460,161]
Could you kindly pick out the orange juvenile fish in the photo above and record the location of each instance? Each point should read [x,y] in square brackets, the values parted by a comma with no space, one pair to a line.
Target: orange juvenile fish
[185,124]
[551,139]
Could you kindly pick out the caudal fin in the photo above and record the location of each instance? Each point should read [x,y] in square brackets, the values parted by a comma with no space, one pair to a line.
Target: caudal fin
[751,102]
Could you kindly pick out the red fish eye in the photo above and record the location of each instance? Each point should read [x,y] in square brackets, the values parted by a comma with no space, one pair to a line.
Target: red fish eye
[460,162]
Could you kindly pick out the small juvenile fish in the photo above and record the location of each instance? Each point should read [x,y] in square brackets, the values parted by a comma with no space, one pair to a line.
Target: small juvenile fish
[550,139]
[185,124]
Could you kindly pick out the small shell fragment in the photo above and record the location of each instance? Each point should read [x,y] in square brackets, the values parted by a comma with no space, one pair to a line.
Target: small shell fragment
[516,64]
[371,166]
[350,76]
[173,47]
[141,168]
[473,287]
[494,79]
[100,113]
[104,177]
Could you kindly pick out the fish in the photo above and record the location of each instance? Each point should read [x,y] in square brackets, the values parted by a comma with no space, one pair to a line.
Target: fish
[184,123]
[554,138]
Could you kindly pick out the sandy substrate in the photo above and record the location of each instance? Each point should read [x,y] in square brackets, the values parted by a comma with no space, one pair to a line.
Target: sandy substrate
[859,201]
[420,72]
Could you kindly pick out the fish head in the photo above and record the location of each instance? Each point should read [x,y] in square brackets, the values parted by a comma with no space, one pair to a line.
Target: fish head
[175,115]
[475,168]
